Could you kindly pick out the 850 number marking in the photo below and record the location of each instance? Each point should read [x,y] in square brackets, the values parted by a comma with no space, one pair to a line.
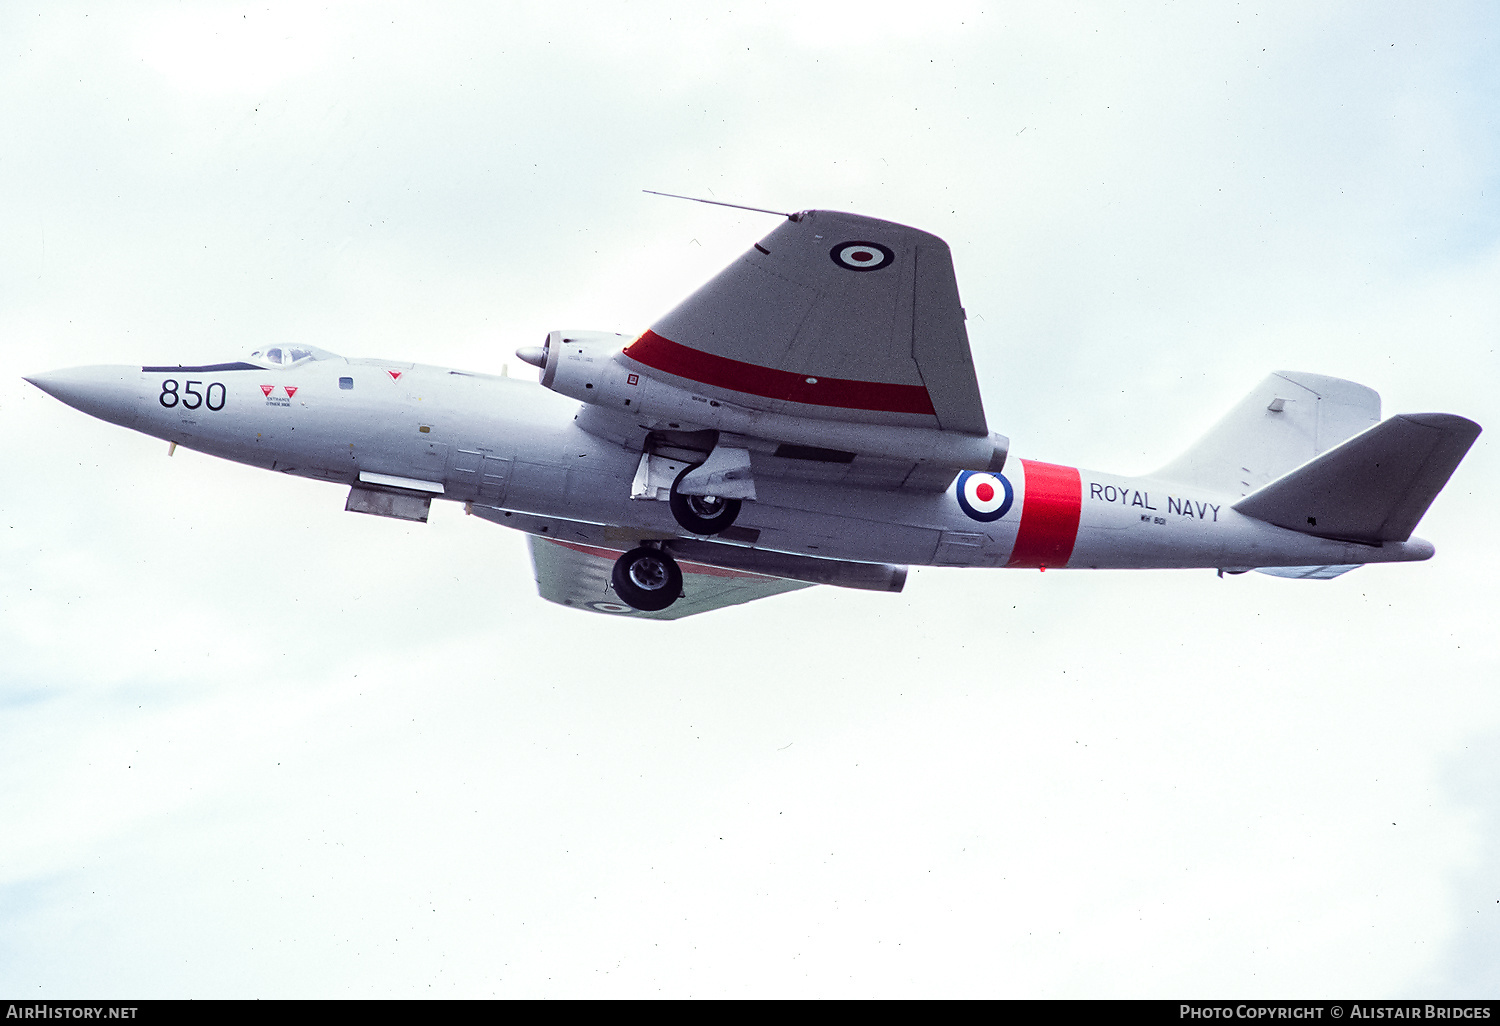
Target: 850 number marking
[190,397]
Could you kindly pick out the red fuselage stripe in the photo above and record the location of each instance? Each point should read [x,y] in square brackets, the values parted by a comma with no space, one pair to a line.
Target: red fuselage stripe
[721,372]
[1049,517]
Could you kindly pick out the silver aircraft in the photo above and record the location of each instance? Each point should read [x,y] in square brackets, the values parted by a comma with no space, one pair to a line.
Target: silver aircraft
[809,416]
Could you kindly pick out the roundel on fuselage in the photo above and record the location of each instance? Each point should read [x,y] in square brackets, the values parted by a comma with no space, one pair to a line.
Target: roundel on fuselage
[984,497]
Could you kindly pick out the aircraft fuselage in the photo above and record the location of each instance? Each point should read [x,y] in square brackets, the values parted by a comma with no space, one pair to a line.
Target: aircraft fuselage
[516,454]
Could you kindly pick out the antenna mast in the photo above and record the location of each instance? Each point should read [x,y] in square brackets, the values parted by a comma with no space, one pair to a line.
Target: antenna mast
[719,203]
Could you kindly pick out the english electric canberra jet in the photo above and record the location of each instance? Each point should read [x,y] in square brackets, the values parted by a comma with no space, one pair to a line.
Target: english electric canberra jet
[809,416]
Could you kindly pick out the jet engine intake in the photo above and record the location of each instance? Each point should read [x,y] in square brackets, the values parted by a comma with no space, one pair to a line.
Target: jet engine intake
[578,363]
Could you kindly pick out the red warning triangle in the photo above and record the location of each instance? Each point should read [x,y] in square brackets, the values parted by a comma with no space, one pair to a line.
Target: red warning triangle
[291,390]
[267,390]
[395,375]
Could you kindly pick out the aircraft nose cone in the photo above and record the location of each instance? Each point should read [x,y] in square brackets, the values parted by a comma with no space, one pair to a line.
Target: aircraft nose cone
[105,392]
[53,383]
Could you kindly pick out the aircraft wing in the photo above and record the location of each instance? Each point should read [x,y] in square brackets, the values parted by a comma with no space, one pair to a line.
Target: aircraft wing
[831,316]
[574,574]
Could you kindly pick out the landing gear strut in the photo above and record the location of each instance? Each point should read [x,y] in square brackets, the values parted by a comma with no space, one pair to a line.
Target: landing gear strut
[647,579]
[701,514]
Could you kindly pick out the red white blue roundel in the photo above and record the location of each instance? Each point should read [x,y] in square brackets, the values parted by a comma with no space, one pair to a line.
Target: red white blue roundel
[861,256]
[984,497]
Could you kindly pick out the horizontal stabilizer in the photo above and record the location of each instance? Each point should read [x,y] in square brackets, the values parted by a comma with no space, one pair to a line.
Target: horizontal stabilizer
[1372,488]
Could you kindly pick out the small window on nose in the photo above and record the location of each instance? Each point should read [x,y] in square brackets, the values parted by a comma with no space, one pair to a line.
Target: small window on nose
[346,382]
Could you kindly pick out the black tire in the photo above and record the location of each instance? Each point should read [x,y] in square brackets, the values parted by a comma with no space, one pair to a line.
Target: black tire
[701,514]
[647,579]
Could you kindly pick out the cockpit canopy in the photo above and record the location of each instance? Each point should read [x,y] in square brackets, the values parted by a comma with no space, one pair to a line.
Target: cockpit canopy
[285,356]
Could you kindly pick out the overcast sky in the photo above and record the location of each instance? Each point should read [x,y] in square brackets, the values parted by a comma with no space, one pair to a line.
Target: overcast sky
[252,745]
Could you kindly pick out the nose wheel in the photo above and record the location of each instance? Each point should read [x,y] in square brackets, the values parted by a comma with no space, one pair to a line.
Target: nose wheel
[647,579]
[701,514]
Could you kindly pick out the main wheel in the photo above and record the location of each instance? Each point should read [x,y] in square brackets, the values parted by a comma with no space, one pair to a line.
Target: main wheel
[647,579]
[701,514]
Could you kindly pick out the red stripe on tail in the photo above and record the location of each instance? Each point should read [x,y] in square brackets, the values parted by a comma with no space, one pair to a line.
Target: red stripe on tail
[1049,517]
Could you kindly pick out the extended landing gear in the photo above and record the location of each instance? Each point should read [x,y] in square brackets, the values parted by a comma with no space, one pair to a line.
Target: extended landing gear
[701,514]
[647,579]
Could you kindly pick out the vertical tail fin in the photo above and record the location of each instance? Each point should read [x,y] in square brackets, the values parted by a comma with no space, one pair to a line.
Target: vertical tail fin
[1288,419]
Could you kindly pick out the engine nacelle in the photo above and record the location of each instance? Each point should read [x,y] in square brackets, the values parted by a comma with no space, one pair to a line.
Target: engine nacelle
[579,364]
